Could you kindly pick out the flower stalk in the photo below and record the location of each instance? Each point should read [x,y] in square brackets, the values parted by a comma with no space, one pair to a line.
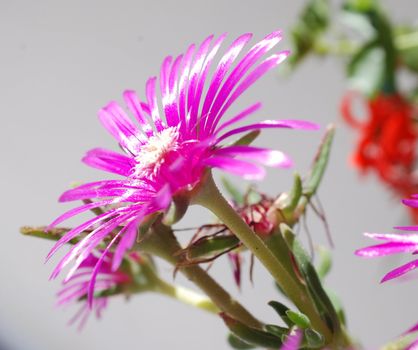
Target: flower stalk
[209,196]
[161,242]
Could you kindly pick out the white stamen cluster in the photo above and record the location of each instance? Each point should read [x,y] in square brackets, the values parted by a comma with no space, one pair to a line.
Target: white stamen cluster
[153,153]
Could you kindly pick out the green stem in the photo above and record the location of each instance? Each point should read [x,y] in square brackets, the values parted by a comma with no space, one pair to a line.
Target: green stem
[162,243]
[187,296]
[209,196]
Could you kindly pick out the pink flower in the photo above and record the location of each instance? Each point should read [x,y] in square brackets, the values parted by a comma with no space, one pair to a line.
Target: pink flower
[168,149]
[414,344]
[293,341]
[76,288]
[395,243]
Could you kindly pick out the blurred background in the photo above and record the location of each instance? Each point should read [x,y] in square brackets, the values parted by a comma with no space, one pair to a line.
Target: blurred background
[63,60]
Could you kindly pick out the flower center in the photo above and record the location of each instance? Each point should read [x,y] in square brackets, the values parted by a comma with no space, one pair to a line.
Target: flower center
[154,153]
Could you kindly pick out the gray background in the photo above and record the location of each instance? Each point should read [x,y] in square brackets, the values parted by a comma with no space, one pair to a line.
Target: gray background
[61,61]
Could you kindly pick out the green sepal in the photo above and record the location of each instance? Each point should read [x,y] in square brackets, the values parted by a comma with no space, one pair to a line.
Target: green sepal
[281,310]
[210,246]
[177,209]
[313,338]
[238,344]
[247,139]
[308,272]
[299,319]
[320,162]
[289,203]
[251,335]
[146,224]
[233,191]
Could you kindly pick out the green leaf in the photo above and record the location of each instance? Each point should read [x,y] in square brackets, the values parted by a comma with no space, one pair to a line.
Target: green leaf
[406,40]
[317,292]
[325,262]
[366,70]
[281,310]
[276,330]
[361,5]
[311,24]
[338,306]
[210,246]
[358,22]
[314,338]
[247,138]
[237,343]
[233,191]
[251,335]
[53,234]
[299,319]
[320,163]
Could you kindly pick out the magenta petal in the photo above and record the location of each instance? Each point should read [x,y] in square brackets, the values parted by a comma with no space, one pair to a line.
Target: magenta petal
[262,155]
[136,108]
[406,228]
[386,249]
[394,237]
[128,239]
[224,65]
[292,341]
[410,202]
[400,270]
[244,169]
[118,124]
[241,69]
[268,64]
[288,124]
[152,103]
[194,78]
[413,345]
[110,161]
[245,113]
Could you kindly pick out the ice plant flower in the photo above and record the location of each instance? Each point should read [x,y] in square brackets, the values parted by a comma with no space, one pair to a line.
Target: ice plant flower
[76,288]
[178,134]
[395,243]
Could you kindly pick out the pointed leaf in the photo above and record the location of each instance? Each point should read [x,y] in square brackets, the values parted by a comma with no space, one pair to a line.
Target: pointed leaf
[325,262]
[210,246]
[276,330]
[238,344]
[251,335]
[320,297]
[247,139]
[314,338]
[281,310]
[320,163]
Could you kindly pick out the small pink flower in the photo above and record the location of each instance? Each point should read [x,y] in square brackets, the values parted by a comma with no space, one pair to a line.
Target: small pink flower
[293,341]
[178,134]
[395,243]
[76,288]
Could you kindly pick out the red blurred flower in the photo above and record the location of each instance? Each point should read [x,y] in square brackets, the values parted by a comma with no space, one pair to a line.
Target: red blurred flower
[386,143]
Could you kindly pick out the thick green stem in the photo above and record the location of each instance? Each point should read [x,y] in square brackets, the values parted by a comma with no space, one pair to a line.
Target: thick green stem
[187,296]
[164,244]
[208,196]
